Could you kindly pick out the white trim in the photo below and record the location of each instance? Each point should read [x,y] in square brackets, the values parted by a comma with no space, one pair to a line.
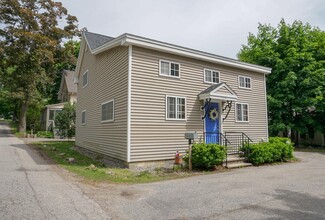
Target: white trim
[250,82]
[207,69]
[84,111]
[129,39]
[266,111]
[169,72]
[86,72]
[128,134]
[101,111]
[166,108]
[241,103]
[220,96]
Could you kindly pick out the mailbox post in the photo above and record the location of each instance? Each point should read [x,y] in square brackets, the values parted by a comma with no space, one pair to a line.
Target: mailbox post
[190,136]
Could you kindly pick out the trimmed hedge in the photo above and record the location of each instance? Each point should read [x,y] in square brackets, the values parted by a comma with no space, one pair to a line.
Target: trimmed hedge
[276,150]
[206,156]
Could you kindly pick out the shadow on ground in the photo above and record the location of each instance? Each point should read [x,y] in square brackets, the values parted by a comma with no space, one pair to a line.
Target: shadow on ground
[298,206]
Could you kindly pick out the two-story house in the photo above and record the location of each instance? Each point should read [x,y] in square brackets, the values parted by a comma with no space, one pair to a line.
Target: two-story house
[67,93]
[137,97]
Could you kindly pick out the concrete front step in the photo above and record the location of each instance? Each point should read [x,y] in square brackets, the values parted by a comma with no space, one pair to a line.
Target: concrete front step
[235,161]
[238,165]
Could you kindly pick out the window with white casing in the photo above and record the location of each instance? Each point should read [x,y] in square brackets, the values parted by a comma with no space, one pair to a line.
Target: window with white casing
[211,76]
[244,82]
[175,108]
[83,117]
[108,111]
[168,68]
[241,112]
[85,79]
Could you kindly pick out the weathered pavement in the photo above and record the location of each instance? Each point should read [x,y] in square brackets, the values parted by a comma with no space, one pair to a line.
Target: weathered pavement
[30,189]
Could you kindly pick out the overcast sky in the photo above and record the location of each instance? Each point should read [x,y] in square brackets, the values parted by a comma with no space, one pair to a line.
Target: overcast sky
[215,26]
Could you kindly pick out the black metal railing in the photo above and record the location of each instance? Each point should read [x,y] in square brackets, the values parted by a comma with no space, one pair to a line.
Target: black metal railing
[233,141]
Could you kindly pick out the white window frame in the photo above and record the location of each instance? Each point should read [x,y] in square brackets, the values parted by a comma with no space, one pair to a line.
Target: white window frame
[244,87]
[166,109]
[236,113]
[169,72]
[84,112]
[212,71]
[86,72]
[101,111]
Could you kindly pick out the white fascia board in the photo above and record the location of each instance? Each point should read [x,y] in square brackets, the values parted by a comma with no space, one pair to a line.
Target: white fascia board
[218,97]
[127,39]
[80,58]
[164,47]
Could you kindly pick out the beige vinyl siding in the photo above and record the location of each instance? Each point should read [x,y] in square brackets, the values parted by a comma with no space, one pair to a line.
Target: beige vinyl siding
[107,79]
[155,138]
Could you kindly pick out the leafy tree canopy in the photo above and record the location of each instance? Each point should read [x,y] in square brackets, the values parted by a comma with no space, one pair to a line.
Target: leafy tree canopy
[296,86]
[31,39]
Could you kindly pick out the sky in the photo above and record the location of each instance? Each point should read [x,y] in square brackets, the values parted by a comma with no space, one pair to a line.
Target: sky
[216,26]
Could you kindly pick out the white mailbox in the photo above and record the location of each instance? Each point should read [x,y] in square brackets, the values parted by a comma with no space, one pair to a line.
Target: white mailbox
[190,135]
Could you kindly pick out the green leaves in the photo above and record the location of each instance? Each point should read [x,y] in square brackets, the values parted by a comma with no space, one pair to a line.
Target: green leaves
[296,54]
[66,120]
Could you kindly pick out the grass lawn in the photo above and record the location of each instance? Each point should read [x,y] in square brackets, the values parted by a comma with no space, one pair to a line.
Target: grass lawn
[96,171]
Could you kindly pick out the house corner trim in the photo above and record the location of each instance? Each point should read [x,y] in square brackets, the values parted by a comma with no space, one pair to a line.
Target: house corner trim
[129,106]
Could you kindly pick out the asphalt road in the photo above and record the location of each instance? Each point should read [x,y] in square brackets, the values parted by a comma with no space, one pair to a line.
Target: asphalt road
[31,189]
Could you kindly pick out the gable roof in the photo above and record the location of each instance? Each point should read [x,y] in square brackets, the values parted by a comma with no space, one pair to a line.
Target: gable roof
[96,40]
[68,79]
[68,76]
[220,91]
[100,43]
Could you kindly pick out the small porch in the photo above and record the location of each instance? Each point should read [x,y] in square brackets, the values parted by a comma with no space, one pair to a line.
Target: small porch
[217,103]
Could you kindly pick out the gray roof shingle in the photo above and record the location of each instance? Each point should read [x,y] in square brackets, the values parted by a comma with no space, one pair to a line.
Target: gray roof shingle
[211,88]
[96,40]
[71,86]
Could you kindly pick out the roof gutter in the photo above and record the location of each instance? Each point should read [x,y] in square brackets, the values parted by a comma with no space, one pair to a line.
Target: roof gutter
[128,39]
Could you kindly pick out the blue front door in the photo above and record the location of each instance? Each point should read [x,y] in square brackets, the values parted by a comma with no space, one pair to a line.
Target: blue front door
[212,123]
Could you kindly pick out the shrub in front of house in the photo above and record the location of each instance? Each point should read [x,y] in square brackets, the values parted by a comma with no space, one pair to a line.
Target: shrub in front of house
[276,150]
[206,156]
[45,134]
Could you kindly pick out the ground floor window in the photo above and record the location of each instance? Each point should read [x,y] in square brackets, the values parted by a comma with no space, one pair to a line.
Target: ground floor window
[175,107]
[241,112]
[108,111]
[83,117]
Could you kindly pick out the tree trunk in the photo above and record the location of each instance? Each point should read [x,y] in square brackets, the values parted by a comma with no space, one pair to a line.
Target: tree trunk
[22,117]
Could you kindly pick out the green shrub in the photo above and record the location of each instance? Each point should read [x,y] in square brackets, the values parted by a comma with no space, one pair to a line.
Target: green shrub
[206,156]
[276,150]
[45,134]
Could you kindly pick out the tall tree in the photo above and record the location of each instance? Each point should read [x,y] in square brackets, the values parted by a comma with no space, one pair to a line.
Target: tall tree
[30,44]
[296,86]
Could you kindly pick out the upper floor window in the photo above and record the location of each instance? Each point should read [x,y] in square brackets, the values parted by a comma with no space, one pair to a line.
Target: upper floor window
[83,117]
[169,68]
[108,111]
[175,108]
[85,79]
[211,76]
[244,82]
[241,112]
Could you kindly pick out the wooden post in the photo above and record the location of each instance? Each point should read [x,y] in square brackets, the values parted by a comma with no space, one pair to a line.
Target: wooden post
[190,154]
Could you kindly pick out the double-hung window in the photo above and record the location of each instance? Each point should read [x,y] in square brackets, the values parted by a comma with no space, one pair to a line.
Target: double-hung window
[244,82]
[85,79]
[241,112]
[175,108]
[108,111]
[83,117]
[169,69]
[211,76]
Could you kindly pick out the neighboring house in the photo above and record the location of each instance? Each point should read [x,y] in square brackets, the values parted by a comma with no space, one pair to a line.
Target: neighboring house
[67,93]
[137,97]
